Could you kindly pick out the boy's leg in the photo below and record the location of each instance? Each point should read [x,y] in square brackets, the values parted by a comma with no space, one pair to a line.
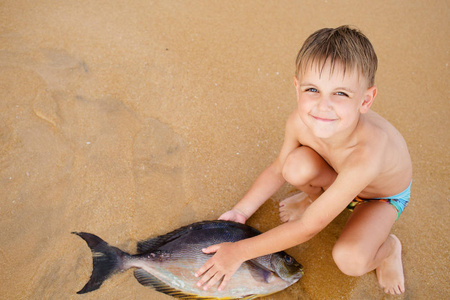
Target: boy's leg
[310,173]
[365,245]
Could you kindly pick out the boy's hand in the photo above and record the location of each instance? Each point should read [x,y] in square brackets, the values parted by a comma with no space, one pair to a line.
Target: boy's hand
[234,215]
[219,267]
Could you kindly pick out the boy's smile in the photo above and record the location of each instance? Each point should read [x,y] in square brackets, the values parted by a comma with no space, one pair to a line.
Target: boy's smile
[330,103]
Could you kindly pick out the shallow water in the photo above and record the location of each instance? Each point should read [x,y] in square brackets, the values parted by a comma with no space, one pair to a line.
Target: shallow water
[131,119]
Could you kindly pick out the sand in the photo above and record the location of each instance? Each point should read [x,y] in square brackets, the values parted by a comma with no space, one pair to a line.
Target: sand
[129,119]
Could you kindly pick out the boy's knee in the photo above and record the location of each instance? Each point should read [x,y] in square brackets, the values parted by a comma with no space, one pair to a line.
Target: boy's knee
[299,168]
[349,260]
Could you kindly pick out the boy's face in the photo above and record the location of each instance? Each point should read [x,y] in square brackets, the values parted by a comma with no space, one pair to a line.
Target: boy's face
[330,104]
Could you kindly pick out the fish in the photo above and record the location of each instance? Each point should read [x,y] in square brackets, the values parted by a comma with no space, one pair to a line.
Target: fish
[167,263]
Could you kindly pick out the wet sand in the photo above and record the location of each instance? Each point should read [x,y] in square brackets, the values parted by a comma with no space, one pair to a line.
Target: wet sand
[129,119]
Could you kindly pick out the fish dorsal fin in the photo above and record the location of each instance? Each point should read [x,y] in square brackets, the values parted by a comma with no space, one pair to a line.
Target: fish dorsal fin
[149,280]
[149,245]
[156,242]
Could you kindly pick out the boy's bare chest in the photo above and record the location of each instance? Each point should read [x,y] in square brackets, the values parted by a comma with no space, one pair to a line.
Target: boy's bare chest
[336,158]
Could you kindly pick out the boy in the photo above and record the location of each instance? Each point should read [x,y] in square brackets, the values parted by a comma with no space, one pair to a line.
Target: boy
[339,153]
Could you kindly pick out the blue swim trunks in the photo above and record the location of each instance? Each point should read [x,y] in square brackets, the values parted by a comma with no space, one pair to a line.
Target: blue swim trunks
[399,201]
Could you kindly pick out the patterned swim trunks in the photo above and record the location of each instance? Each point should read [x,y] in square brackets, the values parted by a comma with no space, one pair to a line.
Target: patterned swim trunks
[399,201]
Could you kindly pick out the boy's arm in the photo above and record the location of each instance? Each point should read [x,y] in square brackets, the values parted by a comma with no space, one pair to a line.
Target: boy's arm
[271,179]
[356,174]
[354,177]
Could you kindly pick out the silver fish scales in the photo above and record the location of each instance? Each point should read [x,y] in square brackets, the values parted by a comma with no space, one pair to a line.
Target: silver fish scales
[167,263]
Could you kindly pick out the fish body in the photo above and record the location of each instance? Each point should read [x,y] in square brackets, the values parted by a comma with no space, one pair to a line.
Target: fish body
[168,262]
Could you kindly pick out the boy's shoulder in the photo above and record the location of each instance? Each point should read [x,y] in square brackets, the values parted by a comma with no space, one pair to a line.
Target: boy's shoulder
[294,123]
[371,126]
[374,129]
[377,143]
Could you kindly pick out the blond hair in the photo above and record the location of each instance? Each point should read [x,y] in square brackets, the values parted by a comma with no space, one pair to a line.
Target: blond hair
[347,46]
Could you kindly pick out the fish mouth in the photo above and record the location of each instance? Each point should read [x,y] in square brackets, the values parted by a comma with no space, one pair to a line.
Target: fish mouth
[294,278]
[299,275]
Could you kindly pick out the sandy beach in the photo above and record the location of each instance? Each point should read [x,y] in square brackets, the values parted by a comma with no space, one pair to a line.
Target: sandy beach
[129,119]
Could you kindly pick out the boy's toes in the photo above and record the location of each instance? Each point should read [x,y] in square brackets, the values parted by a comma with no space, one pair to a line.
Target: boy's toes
[283,217]
[394,290]
[398,290]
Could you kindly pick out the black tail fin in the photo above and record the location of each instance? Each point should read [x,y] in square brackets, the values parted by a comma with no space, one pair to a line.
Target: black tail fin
[107,260]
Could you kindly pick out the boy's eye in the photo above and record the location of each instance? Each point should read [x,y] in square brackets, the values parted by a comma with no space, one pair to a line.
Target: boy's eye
[341,94]
[313,90]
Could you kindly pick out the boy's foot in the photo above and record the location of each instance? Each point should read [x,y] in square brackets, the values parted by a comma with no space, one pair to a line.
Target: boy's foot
[292,208]
[390,272]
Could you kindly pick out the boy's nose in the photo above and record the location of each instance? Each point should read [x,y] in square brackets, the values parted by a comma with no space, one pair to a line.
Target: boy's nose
[324,104]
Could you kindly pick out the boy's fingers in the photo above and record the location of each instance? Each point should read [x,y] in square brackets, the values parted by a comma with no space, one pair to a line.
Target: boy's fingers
[203,269]
[211,249]
[202,281]
[206,278]
[214,279]
[224,283]
[207,265]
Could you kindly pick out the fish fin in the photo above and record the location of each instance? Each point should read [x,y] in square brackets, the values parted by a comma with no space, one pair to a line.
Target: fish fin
[106,260]
[251,297]
[147,279]
[156,242]
[149,245]
[259,272]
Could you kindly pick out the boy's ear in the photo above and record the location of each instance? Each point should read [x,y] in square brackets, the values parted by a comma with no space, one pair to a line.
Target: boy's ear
[296,87]
[369,96]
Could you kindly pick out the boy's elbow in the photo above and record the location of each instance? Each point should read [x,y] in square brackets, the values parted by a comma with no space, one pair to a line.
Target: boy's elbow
[276,169]
[310,229]
[276,166]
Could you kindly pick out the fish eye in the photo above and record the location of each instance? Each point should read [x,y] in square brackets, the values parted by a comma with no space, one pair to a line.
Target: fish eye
[289,260]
